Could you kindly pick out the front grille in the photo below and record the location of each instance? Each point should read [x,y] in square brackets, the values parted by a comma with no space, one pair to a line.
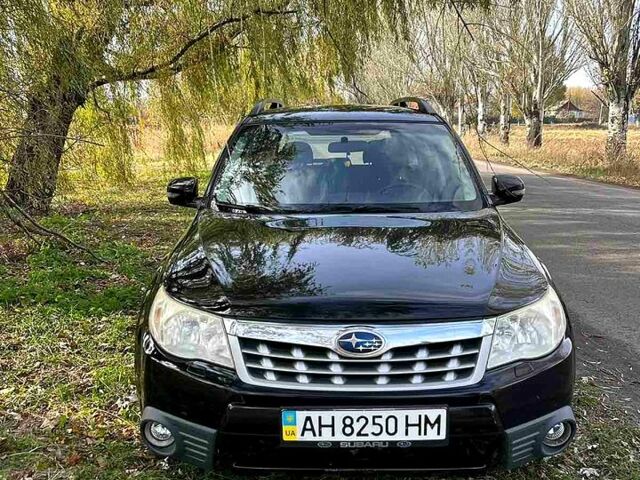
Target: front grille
[284,362]
[416,357]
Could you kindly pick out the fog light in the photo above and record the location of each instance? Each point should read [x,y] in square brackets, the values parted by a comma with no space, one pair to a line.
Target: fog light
[158,435]
[558,435]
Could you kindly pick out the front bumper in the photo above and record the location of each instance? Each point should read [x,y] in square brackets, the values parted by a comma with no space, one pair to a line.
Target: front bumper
[197,445]
[218,421]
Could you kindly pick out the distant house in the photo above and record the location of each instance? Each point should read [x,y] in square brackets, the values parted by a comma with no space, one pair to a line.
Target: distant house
[568,110]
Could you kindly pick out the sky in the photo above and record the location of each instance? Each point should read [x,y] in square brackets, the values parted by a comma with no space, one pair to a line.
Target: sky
[580,78]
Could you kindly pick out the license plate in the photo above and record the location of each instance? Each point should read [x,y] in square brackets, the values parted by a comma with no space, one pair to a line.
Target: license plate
[364,425]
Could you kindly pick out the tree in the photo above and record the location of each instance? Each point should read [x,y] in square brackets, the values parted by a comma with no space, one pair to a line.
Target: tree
[611,30]
[534,51]
[475,53]
[486,77]
[386,73]
[58,57]
[558,95]
[438,43]
[505,118]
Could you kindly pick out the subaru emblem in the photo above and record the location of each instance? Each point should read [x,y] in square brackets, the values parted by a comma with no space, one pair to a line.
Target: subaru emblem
[357,342]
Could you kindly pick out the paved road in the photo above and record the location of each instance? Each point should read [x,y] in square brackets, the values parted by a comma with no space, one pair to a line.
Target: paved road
[588,235]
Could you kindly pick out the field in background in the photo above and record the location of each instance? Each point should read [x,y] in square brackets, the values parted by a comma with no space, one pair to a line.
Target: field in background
[79,174]
[149,142]
[571,149]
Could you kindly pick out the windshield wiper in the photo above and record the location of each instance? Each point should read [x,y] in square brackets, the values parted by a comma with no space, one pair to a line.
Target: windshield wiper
[362,208]
[321,208]
[251,208]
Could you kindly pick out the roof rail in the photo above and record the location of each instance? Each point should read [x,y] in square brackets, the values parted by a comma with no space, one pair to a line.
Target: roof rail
[266,104]
[423,105]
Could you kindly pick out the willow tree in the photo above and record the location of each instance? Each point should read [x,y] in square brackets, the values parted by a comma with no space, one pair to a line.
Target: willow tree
[58,57]
[611,30]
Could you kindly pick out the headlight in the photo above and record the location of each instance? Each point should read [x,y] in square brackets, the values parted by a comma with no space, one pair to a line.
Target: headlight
[186,332]
[530,332]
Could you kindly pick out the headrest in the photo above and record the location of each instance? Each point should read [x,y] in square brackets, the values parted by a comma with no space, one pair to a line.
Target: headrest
[302,152]
[375,151]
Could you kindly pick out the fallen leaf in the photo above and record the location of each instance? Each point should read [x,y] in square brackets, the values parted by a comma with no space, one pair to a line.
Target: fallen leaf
[589,472]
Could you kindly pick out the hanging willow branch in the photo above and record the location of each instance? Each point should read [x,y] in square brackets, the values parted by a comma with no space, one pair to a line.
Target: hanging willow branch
[173,65]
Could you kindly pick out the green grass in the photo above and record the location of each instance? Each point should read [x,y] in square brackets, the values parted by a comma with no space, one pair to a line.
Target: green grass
[67,398]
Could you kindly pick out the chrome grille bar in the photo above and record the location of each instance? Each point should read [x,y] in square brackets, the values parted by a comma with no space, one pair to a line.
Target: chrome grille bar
[415,357]
[248,351]
[276,368]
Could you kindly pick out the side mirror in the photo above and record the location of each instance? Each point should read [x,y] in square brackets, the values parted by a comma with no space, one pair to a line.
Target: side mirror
[506,189]
[183,192]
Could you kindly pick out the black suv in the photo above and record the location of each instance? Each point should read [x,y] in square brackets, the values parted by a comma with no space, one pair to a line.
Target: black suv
[348,297]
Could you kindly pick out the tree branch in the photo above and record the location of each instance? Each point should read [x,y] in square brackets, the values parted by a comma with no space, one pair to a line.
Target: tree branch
[31,134]
[37,227]
[461,18]
[600,98]
[173,64]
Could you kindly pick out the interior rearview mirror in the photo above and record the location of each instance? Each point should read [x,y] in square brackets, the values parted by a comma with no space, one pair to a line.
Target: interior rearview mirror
[348,146]
[183,192]
[506,189]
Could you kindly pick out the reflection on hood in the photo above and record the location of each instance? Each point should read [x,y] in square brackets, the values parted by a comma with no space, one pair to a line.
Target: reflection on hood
[365,267]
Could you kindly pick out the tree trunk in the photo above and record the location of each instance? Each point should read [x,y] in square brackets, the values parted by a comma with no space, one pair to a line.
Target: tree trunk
[482,122]
[600,116]
[533,119]
[461,118]
[618,123]
[33,170]
[447,113]
[505,119]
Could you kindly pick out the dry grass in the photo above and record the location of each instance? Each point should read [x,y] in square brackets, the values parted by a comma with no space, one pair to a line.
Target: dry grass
[150,162]
[149,142]
[570,149]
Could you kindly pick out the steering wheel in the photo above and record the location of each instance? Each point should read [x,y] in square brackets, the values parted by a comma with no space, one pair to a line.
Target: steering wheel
[404,185]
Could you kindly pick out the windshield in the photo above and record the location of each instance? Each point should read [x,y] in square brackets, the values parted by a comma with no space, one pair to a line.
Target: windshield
[317,167]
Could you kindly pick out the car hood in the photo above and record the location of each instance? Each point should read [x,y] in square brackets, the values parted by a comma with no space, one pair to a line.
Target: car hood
[345,267]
